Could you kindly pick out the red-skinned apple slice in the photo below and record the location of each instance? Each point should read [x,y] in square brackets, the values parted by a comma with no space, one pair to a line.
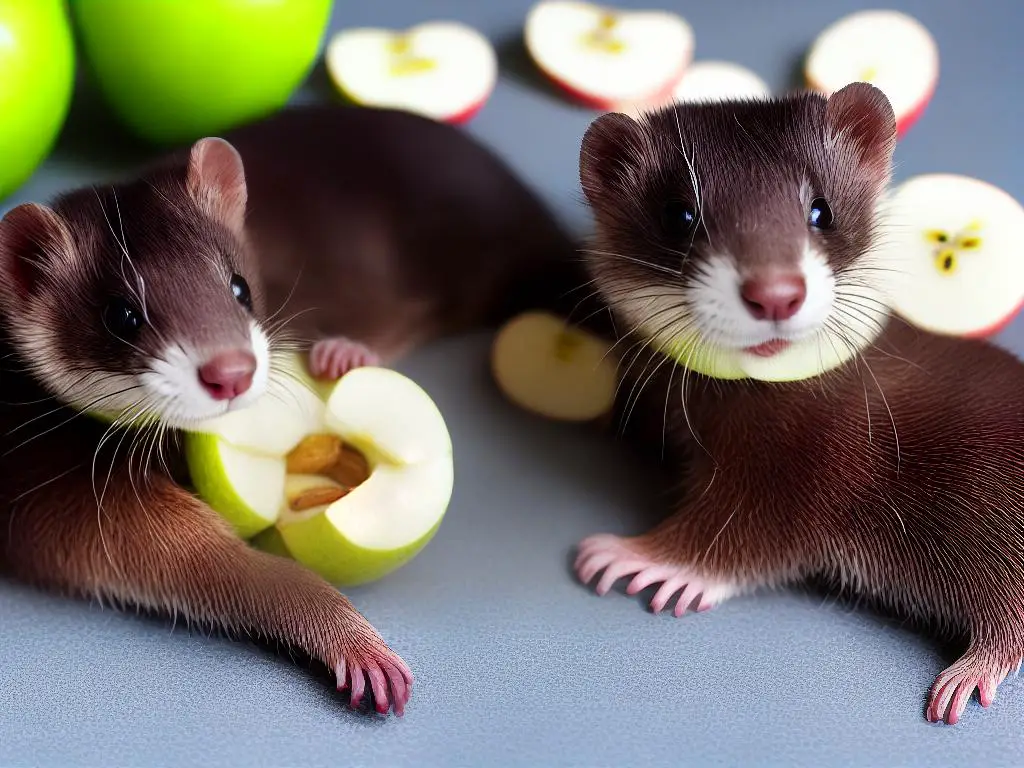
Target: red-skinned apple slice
[888,49]
[606,57]
[953,248]
[709,81]
[440,69]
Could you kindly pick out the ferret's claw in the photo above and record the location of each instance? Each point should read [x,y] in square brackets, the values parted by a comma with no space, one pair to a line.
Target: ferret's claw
[389,678]
[617,559]
[952,690]
[333,357]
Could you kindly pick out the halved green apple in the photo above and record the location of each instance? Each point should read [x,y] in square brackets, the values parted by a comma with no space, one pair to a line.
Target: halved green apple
[350,479]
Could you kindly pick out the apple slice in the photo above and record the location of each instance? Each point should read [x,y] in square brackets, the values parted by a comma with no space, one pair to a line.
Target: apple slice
[954,252]
[802,359]
[719,81]
[606,57]
[888,49]
[351,479]
[552,369]
[706,81]
[442,69]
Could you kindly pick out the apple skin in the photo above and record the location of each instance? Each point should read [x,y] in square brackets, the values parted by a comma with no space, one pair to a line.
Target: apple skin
[905,121]
[996,328]
[318,545]
[216,491]
[177,70]
[597,103]
[353,566]
[37,75]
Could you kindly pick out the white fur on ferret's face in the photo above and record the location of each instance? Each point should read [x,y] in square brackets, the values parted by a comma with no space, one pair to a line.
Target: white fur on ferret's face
[721,317]
[167,388]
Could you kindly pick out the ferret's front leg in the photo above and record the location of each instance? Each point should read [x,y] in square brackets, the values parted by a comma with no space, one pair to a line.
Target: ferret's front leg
[155,546]
[333,357]
[706,552]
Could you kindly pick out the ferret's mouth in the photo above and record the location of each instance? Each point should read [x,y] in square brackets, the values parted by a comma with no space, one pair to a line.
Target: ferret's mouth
[769,348]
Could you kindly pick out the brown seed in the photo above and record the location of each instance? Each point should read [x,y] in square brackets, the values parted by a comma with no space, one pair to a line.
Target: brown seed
[315,497]
[350,469]
[313,455]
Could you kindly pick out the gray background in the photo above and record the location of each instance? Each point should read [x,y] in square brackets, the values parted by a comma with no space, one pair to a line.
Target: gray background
[516,663]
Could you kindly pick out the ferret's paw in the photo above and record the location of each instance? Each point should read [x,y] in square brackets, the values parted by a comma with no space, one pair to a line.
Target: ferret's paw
[332,358]
[616,558]
[952,689]
[389,678]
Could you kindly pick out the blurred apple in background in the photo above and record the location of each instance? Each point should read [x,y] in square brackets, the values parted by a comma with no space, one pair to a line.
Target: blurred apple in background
[444,70]
[177,70]
[37,73]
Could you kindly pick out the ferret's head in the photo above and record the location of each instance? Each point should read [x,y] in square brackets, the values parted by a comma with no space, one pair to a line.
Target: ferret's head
[744,225]
[141,299]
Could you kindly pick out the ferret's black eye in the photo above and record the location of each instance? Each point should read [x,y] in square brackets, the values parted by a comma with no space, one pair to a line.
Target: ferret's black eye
[122,319]
[820,216]
[679,218]
[240,289]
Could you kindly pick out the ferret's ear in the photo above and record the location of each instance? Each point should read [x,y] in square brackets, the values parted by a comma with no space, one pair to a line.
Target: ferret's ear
[34,240]
[216,181]
[611,147]
[860,116]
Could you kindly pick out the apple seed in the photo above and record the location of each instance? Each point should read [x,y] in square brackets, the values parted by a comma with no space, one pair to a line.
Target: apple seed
[313,455]
[315,497]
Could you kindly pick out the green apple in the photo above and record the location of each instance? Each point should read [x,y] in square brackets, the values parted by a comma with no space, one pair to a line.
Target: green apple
[804,359]
[177,70]
[37,74]
[244,464]
[552,369]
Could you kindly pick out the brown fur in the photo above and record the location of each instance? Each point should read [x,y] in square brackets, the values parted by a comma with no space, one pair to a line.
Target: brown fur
[897,475]
[392,228]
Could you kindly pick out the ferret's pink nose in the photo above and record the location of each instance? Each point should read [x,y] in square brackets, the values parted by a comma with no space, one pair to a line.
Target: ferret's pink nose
[228,374]
[775,297]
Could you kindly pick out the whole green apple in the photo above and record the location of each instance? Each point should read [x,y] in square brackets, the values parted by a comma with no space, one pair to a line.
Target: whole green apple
[37,74]
[177,70]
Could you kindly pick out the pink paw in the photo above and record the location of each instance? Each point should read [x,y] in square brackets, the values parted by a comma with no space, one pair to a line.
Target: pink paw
[617,559]
[334,357]
[951,690]
[390,679]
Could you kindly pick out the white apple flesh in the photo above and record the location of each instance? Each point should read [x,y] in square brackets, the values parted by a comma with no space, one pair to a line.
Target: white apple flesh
[802,359]
[442,70]
[953,248]
[889,49]
[551,369]
[239,466]
[708,81]
[607,57]
[719,81]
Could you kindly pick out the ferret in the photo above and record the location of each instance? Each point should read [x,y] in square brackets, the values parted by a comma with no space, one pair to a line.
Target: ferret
[897,475]
[167,299]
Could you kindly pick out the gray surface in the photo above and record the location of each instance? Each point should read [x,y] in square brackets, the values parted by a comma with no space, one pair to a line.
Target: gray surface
[516,664]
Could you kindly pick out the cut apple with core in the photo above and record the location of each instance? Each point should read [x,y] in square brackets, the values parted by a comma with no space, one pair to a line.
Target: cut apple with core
[442,70]
[350,479]
[552,369]
[954,251]
[888,49]
[607,57]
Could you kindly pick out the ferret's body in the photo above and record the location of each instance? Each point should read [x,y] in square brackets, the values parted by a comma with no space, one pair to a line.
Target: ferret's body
[897,474]
[168,295]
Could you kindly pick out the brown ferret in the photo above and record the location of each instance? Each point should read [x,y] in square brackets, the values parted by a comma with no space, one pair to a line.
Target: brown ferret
[750,226]
[167,299]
